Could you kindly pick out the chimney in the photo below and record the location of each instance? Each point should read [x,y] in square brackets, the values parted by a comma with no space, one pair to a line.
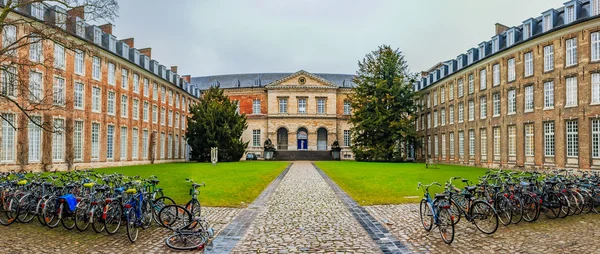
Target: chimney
[129,42]
[187,78]
[107,28]
[146,51]
[174,69]
[500,28]
[78,11]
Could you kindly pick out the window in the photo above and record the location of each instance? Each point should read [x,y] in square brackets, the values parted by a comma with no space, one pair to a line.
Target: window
[512,140]
[9,37]
[176,120]
[571,93]
[496,73]
[124,107]
[78,141]
[443,145]
[512,102]
[460,88]
[110,134]
[96,98]
[256,138]
[429,145]
[162,145]
[135,109]
[496,105]
[95,141]
[134,143]
[596,46]
[97,35]
[320,106]
[451,114]
[110,104]
[347,107]
[171,97]
[595,87]
[451,136]
[496,141]
[123,143]
[511,70]
[154,114]
[442,95]
[571,55]
[96,71]
[7,149]
[547,22]
[163,116]
[435,98]
[596,138]
[471,110]
[176,146]
[58,141]
[428,120]
[529,140]
[163,94]
[483,142]
[124,79]
[145,144]
[79,62]
[35,139]
[548,58]
[451,91]
[9,81]
[155,91]
[471,84]
[594,7]
[483,107]
[526,31]
[572,139]
[37,10]
[35,86]
[59,92]
[283,105]
[461,112]
[570,14]
[528,64]
[428,101]
[472,142]
[549,95]
[59,56]
[36,50]
[435,145]
[145,112]
[443,116]
[482,80]
[346,137]
[146,88]
[461,143]
[528,98]
[170,116]
[111,74]
[510,38]
[435,118]
[136,83]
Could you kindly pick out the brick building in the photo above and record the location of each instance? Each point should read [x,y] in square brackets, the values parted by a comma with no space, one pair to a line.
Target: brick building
[297,111]
[529,97]
[111,103]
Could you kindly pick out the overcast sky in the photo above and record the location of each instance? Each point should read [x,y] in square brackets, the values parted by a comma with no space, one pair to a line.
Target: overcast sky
[328,36]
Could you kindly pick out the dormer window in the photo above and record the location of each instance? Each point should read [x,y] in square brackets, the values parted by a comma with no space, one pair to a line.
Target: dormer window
[460,62]
[156,68]
[495,44]
[527,30]
[37,10]
[97,35]
[548,22]
[594,7]
[125,50]
[471,57]
[112,43]
[60,19]
[80,27]
[481,51]
[450,67]
[136,57]
[510,38]
[146,62]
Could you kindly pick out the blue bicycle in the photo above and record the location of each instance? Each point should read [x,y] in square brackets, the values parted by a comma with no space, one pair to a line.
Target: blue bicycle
[137,210]
[436,212]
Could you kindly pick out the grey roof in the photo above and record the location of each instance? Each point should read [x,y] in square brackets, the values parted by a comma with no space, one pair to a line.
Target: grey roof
[262,79]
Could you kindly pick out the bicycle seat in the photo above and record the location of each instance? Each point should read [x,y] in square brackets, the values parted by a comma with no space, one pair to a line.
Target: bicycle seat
[470,188]
[22,182]
[440,196]
[551,182]
[131,191]
[89,185]
[48,184]
[155,181]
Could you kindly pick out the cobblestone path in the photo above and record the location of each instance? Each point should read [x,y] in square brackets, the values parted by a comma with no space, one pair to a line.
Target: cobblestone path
[575,234]
[34,238]
[305,215]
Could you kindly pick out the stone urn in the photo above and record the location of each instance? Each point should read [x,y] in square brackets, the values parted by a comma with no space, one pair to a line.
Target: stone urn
[336,150]
[269,150]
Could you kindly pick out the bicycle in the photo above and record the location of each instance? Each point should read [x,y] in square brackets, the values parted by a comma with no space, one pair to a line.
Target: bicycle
[436,212]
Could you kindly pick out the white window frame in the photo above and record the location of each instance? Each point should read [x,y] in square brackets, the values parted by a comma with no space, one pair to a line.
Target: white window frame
[497,105]
[110,142]
[35,139]
[461,143]
[124,106]
[549,148]
[572,139]
[96,68]
[483,142]
[58,140]
[9,138]
[96,99]
[111,74]
[595,138]
[95,141]
[461,88]
[571,52]
[497,141]
[496,74]
[134,143]
[512,102]
[548,58]
[528,64]
[482,79]
[123,142]
[512,140]
[78,140]
[9,84]
[461,112]
[471,110]
[443,116]
[571,92]
[451,114]
[135,109]
[283,105]
[529,100]
[595,46]
[549,95]
[451,143]
[59,91]
[512,74]
[483,107]
[471,142]
[79,62]
[255,138]
[59,56]
[529,140]
[256,106]
[111,103]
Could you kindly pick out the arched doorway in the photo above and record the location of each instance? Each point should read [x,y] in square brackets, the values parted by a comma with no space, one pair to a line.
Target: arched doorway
[322,139]
[282,139]
[302,137]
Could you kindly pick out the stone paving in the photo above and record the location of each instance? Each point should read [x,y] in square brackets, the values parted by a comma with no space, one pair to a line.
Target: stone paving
[305,215]
[34,238]
[575,234]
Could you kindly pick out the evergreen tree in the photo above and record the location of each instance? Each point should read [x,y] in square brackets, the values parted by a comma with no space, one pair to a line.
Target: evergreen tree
[383,106]
[215,123]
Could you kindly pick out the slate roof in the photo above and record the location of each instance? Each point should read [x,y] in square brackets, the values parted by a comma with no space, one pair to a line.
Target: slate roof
[246,80]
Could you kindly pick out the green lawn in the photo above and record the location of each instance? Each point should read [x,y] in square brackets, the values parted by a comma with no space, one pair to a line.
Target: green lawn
[375,183]
[234,184]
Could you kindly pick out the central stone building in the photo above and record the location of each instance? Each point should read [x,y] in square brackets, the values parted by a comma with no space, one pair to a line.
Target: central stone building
[299,111]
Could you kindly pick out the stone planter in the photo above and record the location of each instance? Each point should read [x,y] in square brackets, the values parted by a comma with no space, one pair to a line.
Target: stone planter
[336,154]
[268,155]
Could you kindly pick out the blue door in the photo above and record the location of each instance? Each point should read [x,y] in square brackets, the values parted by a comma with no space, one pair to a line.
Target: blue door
[302,138]
[302,144]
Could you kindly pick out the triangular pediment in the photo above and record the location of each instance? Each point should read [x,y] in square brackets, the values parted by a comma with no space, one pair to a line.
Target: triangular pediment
[301,79]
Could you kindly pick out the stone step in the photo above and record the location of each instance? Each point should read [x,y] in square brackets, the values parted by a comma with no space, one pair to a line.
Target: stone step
[302,156]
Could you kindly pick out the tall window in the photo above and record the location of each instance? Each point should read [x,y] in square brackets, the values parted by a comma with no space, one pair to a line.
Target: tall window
[78,95]
[512,140]
[595,138]
[347,107]
[548,58]
[320,106]
[9,37]
[571,91]
[96,99]
[451,138]
[435,118]
[528,98]
[451,114]
[472,142]
[163,116]
[154,114]
[572,139]
[549,139]
[594,7]
[256,138]
[96,71]
[123,143]
[528,64]
[471,110]
[154,91]
[59,92]
[146,88]
[59,56]
[283,105]
[435,98]
[111,74]
[512,102]
[78,140]
[483,107]
[36,50]
[512,75]
[9,81]
[571,55]
[547,22]
[461,143]
[526,31]
[79,62]
[145,144]
[471,84]
[58,140]
[570,14]
[461,112]
[35,139]
[124,105]
[176,146]
[110,104]
[170,118]
[162,145]
[529,141]
[256,107]
[302,105]
[134,143]
[176,119]
[595,87]
[483,141]
[163,94]
[110,139]
[497,141]
[37,10]
[124,79]
[136,83]
[460,88]
[450,91]
[442,94]
[510,38]
[443,145]
[135,109]
[595,46]
[496,105]
[35,86]
[435,145]
[95,141]
[443,116]
[7,149]
[347,138]
[548,94]
[482,79]
[496,70]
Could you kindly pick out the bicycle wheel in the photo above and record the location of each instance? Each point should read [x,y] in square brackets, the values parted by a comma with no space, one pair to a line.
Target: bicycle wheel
[194,207]
[455,211]
[68,218]
[82,212]
[112,214]
[445,225]
[11,210]
[26,210]
[186,240]
[517,210]
[147,212]
[158,204]
[39,208]
[97,220]
[551,205]
[504,210]
[587,202]
[426,215]
[484,217]
[50,212]
[132,228]
[530,208]
[174,216]
[565,206]
[595,201]
[580,202]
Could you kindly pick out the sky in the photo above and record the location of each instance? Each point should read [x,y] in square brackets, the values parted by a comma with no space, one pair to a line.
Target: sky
[206,38]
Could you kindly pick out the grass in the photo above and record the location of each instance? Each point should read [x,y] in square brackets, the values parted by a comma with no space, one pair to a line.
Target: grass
[234,184]
[375,183]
